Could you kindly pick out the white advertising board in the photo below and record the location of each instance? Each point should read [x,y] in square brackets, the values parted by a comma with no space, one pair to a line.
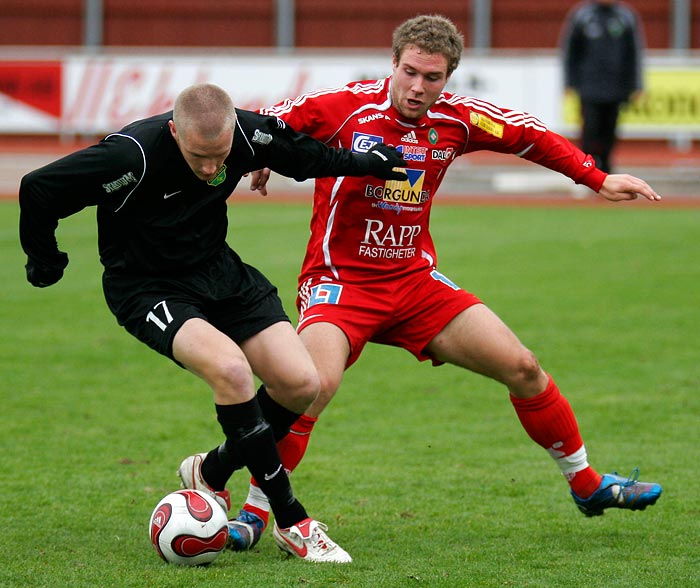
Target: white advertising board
[104,94]
[101,93]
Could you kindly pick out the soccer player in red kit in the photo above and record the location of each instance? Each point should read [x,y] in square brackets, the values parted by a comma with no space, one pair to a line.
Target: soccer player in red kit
[370,272]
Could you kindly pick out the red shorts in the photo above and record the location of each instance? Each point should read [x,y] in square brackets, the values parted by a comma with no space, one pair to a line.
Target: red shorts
[406,313]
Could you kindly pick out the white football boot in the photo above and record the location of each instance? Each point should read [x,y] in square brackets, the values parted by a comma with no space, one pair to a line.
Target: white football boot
[190,472]
[308,540]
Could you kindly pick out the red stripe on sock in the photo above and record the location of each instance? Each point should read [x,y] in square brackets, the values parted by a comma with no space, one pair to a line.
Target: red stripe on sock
[263,514]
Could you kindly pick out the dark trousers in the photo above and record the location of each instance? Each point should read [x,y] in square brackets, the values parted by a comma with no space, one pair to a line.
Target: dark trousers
[599,131]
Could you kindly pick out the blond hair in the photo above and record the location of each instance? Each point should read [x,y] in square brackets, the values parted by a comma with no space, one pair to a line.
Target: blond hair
[205,108]
[432,33]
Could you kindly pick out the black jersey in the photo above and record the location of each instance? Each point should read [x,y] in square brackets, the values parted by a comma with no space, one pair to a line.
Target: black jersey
[154,215]
[603,45]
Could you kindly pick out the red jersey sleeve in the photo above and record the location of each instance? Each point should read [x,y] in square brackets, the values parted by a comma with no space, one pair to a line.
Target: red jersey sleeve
[318,114]
[557,153]
[522,134]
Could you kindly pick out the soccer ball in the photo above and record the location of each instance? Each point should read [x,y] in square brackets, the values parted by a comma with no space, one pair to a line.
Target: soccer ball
[188,527]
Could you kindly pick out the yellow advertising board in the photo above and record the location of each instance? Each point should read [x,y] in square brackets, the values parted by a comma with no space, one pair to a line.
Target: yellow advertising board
[671,99]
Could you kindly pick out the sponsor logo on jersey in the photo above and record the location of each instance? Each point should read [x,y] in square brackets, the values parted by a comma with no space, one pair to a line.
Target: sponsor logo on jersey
[410,138]
[370,117]
[408,191]
[442,154]
[119,183]
[412,152]
[261,138]
[362,142]
[436,275]
[486,124]
[397,208]
[325,294]
[310,295]
[388,241]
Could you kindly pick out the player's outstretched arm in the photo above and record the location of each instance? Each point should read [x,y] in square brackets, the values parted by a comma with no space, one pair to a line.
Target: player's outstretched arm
[377,161]
[617,187]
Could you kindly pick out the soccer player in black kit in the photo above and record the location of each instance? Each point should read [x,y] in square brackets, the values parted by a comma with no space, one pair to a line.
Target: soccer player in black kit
[160,186]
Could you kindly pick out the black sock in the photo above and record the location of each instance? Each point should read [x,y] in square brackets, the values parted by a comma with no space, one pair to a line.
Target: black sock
[279,417]
[220,463]
[250,441]
[216,471]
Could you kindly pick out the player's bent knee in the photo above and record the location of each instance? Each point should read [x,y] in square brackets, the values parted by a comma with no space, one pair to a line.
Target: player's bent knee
[232,380]
[307,392]
[297,394]
[527,372]
[329,386]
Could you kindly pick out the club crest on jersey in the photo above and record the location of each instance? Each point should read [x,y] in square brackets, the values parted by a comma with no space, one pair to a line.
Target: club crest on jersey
[220,176]
[362,142]
[408,191]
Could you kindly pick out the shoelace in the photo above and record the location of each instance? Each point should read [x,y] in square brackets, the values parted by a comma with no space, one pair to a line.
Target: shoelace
[318,539]
[631,480]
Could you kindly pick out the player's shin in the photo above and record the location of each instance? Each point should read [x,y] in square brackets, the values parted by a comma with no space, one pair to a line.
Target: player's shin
[250,523]
[249,441]
[291,449]
[549,421]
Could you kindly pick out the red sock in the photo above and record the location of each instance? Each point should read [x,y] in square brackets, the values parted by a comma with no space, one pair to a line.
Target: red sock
[550,422]
[263,514]
[293,446]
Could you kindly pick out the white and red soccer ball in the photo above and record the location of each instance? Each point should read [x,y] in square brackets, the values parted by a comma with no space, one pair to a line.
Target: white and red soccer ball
[188,527]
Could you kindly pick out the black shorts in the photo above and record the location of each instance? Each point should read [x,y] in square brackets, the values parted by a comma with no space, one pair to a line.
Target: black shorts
[229,294]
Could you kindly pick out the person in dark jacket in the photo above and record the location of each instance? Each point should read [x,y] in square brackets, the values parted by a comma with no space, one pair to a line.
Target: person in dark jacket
[160,186]
[602,45]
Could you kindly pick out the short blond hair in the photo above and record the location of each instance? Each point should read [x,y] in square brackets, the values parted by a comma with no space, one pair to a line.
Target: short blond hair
[205,108]
[432,33]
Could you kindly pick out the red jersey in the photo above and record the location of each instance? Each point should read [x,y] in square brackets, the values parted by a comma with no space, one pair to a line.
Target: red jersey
[366,229]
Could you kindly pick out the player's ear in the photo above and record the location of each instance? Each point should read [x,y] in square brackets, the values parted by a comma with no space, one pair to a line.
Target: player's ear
[173,130]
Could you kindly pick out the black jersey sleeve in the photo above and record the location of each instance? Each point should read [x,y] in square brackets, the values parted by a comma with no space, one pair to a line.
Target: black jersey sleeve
[300,156]
[64,187]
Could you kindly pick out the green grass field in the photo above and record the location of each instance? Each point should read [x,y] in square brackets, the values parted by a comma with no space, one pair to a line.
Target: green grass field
[423,474]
